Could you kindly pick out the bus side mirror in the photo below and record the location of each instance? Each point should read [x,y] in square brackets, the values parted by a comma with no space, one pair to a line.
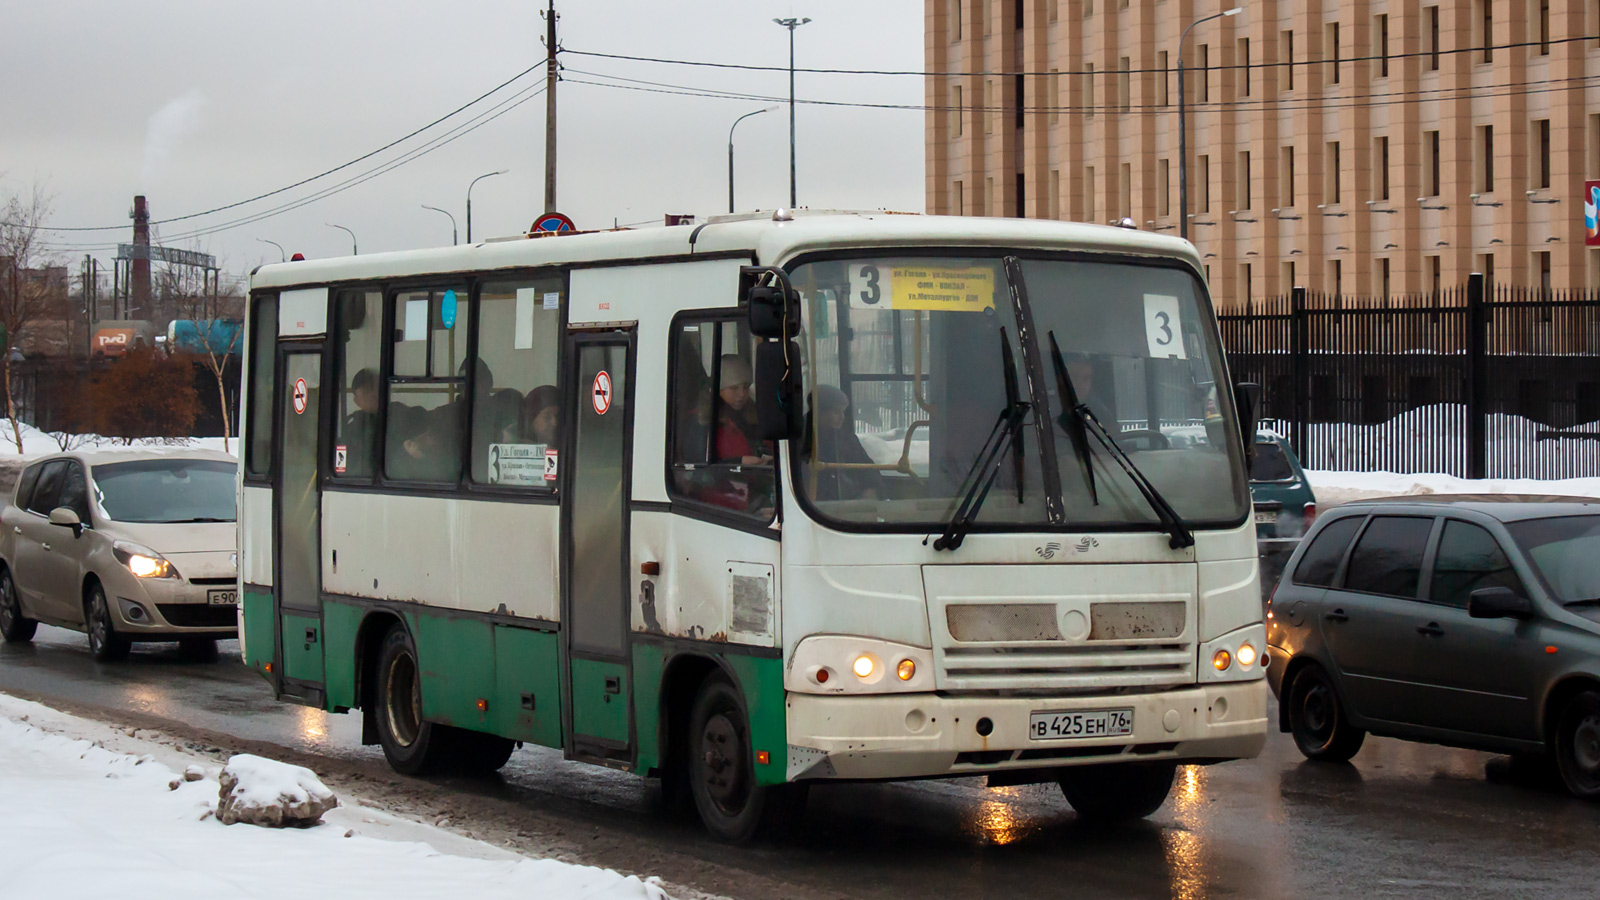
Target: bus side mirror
[1247,401]
[770,315]
[779,412]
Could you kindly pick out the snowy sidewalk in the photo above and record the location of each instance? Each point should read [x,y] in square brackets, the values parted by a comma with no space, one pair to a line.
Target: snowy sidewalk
[1334,488]
[79,819]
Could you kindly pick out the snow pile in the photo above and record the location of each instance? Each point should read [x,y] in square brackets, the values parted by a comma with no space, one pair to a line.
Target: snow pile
[259,791]
[1334,488]
[78,820]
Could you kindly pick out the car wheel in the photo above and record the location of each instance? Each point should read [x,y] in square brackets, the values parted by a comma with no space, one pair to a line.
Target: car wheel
[1578,745]
[15,627]
[199,649]
[1118,791]
[1317,719]
[104,642]
[412,746]
[722,774]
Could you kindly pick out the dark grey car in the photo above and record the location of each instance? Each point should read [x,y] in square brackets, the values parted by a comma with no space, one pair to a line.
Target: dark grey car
[1470,621]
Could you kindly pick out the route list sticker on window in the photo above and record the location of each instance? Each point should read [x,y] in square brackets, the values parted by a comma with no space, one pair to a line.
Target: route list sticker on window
[1162,327]
[930,287]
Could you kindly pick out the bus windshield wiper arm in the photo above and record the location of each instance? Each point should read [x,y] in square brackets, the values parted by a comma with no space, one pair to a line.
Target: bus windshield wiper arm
[980,478]
[1178,534]
[1071,421]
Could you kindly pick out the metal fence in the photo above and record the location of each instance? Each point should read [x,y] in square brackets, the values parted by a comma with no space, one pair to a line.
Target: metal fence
[1496,384]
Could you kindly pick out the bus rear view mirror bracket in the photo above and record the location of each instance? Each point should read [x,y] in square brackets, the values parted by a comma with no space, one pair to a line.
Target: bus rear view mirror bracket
[773,305]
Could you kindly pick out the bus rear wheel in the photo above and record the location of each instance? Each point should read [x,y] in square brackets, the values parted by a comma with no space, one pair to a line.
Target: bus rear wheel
[722,773]
[412,746]
[1118,791]
[477,753]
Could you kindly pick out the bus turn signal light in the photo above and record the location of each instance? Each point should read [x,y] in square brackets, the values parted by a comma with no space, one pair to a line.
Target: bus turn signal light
[1222,660]
[906,670]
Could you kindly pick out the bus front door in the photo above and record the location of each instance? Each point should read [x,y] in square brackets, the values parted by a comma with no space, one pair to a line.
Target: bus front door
[299,523]
[594,529]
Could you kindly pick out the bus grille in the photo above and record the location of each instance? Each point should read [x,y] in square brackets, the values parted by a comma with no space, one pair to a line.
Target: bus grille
[1067,666]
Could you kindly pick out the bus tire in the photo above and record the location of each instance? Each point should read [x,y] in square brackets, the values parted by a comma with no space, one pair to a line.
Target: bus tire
[721,769]
[15,627]
[411,745]
[477,753]
[1115,792]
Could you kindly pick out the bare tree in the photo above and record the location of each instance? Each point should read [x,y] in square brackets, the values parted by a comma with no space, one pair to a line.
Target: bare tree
[218,317]
[23,299]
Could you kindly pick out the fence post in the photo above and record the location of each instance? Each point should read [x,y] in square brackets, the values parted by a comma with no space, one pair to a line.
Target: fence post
[1477,379]
[1298,348]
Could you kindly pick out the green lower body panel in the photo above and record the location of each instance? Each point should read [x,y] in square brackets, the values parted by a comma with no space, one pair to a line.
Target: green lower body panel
[600,700]
[760,679]
[341,622]
[260,637]
[302,648]
[456,656]
[527,697]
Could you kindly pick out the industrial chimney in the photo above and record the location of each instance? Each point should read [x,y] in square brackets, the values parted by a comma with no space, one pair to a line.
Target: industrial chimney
[140,265]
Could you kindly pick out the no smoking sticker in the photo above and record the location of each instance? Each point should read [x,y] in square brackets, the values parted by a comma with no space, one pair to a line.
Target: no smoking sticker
[602,393]
[300,394]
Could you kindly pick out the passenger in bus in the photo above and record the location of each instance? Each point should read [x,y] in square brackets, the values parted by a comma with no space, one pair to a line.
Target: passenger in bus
[1080,366]
[831,440]
[360,427]
[501,420]
[737,437]
[541,415]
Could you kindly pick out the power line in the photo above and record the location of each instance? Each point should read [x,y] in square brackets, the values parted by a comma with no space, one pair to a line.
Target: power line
[1273,65]
[324,174]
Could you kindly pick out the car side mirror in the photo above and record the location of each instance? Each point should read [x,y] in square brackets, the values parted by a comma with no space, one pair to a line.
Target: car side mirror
[1247,402]
[66,518]
[1498,603]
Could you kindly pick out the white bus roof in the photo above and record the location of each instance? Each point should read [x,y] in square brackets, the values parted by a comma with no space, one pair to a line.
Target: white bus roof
[771,240]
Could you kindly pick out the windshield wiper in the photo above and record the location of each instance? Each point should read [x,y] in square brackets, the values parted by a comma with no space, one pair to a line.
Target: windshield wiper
[980,478]
[1178,533]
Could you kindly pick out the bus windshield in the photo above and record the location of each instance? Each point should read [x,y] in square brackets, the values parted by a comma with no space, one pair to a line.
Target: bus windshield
[906,380]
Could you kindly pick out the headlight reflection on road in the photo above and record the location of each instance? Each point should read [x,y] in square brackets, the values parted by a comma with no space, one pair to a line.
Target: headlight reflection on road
[1184,845]
[313,723]
[997,823]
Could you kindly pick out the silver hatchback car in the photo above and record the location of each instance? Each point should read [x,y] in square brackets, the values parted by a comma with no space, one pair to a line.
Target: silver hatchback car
[125,546]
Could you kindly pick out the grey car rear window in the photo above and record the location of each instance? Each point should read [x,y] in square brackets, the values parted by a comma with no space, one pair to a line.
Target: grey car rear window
[1388,557]
[1321,560]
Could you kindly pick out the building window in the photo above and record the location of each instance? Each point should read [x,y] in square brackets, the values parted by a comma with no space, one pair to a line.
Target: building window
[1432,17]
[1286,179]
[1127,190]
[1163,188]
[958,202]
[1018,100]
[1541,161]
[1054,96]
[1089,214]
[1486,266]
[1333,52]
[1541,265]
[1380,40]
[1088,90]
[1125,85]
[1205,74]
[1286,51]
[1431,271]
[1431,160]
[988,197]
[988,107]
[1244,180]
[1022,197]
[1383,278]
[1244,283]
[1055,9]
[1334,194]
[1203,170]
[1486,29]
[1485,159]
[1380,165]
[955,19]
[1337,271]
[1162,79]
[1544,27]
[1288,276]
[957,111]
[1244,67]
[1055,194]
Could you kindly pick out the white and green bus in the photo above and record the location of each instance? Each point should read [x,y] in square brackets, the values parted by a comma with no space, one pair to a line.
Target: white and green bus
[777,499]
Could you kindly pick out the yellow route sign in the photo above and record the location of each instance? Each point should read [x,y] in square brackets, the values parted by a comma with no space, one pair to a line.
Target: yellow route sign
[921,287]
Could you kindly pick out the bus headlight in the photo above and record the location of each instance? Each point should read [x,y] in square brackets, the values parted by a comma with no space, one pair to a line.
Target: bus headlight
[841,664]
[1234,656]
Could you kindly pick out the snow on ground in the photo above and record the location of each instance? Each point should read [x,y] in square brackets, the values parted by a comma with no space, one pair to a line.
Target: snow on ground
[1334,488]
[39,443]
[86,818]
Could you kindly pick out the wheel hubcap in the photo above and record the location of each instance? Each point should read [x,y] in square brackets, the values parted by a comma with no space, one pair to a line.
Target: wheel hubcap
[404,707]
[99,622]
[1317,712]
[8,604]
[1586,746]
[722,758]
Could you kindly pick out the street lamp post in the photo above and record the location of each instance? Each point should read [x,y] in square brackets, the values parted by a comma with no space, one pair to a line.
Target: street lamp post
[469,198]
[282,257]
[791,24]
[730,149]
[354,250]
[1183,126]
[447,212]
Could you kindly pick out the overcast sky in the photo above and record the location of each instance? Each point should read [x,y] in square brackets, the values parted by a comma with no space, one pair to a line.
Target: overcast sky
[200,103]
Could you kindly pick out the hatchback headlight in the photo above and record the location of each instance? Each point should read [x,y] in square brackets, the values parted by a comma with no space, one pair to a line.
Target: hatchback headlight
[142,561]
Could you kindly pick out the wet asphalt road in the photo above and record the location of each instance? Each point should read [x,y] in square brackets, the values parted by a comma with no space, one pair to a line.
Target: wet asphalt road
[1403,820]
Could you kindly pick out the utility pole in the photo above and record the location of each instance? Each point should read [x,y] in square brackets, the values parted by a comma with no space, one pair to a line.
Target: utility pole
[791,24]
[550,79]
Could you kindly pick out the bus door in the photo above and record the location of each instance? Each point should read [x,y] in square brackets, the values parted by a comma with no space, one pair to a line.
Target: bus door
[594,546]
[298,521]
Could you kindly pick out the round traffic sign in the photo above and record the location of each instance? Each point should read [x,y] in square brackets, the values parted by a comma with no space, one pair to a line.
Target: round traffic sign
[554,221]
[602,393]
[300,395]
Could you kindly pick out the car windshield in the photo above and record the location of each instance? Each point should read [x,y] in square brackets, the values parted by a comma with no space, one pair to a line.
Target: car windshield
[166,490]
[1271,463]
[1562,551]
[906,380]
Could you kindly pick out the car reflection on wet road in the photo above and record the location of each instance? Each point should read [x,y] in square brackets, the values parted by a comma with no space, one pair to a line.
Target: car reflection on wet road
[1404,819]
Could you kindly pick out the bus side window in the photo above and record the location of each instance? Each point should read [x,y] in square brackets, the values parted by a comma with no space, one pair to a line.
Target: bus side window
[360,351]
[717,457]
[516,418]
[427,387]
[263,358]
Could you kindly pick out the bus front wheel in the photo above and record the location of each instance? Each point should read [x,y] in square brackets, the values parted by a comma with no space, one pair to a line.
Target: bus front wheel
[721,772]
[1118,791]
[412,746]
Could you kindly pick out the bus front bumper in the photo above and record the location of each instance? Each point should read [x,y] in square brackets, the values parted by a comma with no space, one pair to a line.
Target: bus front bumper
[889,736]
